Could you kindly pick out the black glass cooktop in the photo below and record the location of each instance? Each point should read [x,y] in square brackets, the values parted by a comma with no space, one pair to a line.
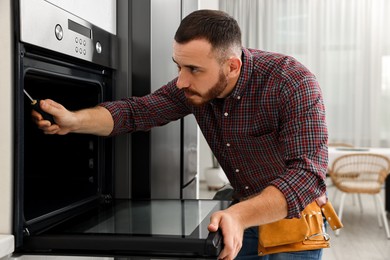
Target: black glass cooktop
[138,227]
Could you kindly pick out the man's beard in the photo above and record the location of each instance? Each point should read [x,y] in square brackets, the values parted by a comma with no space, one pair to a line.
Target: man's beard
[212,93]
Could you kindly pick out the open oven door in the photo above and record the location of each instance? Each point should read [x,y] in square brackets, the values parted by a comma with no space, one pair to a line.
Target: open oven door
[161,228]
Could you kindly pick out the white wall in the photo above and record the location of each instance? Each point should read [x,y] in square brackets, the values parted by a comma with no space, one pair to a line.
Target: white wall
[5,118]
[209,4]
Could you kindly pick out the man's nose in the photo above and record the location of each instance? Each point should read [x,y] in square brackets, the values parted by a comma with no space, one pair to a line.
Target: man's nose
[182,81]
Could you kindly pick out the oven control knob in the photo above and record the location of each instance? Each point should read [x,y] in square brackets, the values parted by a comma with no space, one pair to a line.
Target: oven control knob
[59,32]
[99,47]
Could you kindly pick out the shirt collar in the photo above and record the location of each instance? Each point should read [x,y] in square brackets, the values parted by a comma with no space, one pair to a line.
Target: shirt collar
[245,75]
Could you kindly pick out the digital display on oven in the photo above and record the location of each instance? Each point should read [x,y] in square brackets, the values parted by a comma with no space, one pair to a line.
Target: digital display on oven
[79,28]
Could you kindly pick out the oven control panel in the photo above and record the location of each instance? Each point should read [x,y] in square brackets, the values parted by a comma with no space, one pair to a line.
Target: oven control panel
[63,32]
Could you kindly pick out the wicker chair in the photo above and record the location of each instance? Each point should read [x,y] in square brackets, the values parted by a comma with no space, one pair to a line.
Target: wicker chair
[339,145]
[361,173]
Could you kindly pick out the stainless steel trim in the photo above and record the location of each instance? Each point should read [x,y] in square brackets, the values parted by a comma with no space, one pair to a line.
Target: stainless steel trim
[46,25]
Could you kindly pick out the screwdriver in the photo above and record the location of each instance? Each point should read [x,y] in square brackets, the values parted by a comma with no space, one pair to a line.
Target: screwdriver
[37,107]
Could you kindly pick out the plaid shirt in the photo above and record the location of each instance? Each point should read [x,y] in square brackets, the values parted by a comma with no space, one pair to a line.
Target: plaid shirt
[270,130]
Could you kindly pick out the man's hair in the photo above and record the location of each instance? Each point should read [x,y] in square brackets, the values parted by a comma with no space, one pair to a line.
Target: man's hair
[219,28]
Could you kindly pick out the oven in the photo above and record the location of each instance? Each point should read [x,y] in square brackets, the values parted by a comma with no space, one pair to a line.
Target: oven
[64,193]
[61,57]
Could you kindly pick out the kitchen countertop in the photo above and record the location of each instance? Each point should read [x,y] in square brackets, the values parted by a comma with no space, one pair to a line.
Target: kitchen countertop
[6,245]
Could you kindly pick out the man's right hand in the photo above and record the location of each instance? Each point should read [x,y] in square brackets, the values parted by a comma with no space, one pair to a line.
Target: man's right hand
[96,120]
[64,119]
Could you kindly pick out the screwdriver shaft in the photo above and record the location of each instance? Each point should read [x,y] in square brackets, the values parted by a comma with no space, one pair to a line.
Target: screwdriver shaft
[25,92]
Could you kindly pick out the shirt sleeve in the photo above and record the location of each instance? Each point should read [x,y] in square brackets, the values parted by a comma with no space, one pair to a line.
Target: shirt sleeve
[142,113]
[303,137]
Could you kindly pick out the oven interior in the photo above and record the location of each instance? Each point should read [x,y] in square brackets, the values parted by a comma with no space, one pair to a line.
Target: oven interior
[57,176]
[60,170]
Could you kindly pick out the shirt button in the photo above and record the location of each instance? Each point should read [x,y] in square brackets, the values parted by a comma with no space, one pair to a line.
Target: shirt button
[246,187]
[239,97]
[228,145]
[237,170]
[226,114]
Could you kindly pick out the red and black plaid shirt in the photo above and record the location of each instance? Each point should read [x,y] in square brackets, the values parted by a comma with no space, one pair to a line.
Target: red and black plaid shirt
[270,130]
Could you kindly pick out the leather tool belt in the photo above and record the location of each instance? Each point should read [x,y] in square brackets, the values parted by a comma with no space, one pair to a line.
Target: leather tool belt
[305,233]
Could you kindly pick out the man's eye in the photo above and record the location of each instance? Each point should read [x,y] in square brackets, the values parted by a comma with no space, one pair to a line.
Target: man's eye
[194,70]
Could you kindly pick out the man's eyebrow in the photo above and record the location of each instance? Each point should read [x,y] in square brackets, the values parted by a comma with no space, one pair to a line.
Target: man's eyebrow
[187,66]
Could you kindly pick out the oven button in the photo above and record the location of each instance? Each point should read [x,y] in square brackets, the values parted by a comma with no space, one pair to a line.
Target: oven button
[84,52]
[84,42]
[59,32]
[98,47]
[76,40]
[76,49]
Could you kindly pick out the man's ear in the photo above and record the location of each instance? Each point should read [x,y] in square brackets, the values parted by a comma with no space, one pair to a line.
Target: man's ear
[234,66]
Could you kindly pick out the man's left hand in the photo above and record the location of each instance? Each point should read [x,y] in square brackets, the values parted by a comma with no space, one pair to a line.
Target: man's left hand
[232,231]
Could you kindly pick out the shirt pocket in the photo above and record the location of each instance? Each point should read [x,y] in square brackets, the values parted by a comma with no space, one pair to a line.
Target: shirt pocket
[261,149]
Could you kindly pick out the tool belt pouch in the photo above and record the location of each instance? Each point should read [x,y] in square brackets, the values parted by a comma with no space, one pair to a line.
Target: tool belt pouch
[305,233]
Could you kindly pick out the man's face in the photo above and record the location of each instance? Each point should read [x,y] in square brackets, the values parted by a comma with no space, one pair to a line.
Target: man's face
[201,77]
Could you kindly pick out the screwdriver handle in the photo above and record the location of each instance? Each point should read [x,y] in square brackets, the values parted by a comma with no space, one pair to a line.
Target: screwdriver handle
[35,104]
